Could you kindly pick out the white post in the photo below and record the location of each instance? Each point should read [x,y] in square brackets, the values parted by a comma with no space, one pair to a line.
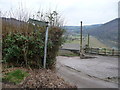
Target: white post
[45,48]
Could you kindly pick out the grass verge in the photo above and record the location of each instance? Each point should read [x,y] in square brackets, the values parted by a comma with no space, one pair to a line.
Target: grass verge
[16,76]
[66,53]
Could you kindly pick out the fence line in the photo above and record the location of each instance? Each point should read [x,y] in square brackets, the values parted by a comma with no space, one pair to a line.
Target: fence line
[103,51]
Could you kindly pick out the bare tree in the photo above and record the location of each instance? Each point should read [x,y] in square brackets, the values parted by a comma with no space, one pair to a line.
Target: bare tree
[55,19]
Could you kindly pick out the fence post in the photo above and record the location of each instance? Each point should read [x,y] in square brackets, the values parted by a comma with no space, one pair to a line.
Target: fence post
[98,51]
[112,51]
[91,50]
[105,51]
[118,52]
[88,40]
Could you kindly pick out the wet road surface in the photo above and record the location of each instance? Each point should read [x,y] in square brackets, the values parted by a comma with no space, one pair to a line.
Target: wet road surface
[88,73]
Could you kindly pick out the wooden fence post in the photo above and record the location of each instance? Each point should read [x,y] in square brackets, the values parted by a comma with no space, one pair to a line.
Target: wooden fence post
[98,51]
[88,40]
[91,50]
[105,51]
[112,52]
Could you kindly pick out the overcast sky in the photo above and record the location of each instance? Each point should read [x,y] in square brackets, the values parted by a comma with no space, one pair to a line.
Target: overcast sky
[73,11]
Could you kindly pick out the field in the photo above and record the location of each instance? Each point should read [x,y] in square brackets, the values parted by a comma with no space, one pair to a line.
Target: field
[74,43]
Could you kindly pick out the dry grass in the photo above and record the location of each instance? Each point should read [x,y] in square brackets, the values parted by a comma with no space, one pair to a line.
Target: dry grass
[13,25]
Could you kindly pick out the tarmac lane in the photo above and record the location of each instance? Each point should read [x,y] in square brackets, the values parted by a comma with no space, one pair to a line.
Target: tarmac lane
[81,76]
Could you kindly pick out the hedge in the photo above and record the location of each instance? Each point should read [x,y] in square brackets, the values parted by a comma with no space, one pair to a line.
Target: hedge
[27,49]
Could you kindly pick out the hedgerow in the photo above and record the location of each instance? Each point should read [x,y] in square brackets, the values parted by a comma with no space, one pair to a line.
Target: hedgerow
[27,49]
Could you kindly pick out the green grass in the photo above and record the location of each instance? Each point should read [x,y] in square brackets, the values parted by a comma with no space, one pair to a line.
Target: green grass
[69,55]
[16,76]
[94,42]
[66,53]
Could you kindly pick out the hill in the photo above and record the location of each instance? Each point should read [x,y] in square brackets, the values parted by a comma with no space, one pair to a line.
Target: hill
[76,29]
[106,33]
[75,44]
[14,25]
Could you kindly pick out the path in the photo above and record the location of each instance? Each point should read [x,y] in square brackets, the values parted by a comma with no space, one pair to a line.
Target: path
[88,73]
